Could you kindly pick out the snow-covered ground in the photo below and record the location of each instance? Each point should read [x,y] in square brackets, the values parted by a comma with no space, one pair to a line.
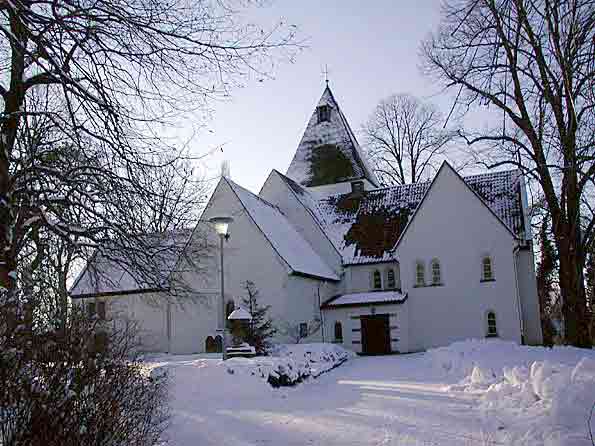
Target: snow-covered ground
[471,393]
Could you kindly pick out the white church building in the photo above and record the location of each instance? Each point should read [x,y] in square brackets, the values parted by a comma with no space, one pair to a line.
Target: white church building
[341,259]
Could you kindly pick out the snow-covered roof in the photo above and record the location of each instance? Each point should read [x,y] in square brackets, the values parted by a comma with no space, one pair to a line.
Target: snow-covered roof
[367,298]
[365,228]
[329,152]
[284,238]
[115,268]
[307,199]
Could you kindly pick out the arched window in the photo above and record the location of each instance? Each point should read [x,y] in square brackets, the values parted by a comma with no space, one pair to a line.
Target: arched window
[492,328]
[218,344]
[436,272]
[487,270]
[338,332]
[390,279]
[376,280]
[420,274]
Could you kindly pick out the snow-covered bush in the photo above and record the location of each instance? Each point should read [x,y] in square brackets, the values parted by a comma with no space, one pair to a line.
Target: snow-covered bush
[289,365]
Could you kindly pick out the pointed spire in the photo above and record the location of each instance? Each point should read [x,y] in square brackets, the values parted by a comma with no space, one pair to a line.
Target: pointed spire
[328,152]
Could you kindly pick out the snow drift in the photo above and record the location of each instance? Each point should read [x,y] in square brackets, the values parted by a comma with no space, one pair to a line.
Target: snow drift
[531,395]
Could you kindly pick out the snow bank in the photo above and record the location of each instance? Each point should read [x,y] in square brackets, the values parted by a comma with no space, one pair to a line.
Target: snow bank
[532,395]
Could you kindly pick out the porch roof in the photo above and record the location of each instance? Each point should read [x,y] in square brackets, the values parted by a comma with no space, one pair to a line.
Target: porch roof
[367,298]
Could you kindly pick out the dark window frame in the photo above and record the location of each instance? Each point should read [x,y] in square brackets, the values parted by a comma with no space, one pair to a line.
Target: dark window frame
[357,187]
[100,307]
[376,280]
[303,329]
[324,113]
[338,331]
[420,267]
[435,266]
[487,261]
[491,325]
[391,280]
[91,309]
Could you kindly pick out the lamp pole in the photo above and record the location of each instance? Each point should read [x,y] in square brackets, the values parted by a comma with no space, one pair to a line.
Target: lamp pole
[221,225]
[223,346]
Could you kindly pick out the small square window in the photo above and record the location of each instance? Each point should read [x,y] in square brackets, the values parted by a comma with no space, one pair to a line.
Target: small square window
[357,187]
[303,330]
[324,113]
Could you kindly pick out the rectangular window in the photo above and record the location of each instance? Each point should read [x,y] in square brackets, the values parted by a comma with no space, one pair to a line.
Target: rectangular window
[390,279]
[377,280]
[488,272]
[101,309]
[324,113]
[492,327]
[420,278]
[436,276]
[304,330]
[357,187]
[91,309]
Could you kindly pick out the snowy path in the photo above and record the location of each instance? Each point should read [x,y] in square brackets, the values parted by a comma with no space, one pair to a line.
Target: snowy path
[367,401]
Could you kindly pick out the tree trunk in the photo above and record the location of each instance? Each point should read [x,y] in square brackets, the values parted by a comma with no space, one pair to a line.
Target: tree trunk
[572,288]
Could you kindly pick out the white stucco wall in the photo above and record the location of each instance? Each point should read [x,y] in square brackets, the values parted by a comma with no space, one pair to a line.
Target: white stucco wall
[358,278]
[349,318]
[458,232]
[249,256]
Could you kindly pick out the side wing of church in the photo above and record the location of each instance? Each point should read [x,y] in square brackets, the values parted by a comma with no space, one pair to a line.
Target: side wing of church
[340,259]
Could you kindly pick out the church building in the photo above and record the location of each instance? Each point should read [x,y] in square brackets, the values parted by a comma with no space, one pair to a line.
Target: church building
[339,258]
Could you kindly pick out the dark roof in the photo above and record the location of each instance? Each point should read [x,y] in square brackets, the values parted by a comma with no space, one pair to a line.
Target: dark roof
[365,229]
[328,152]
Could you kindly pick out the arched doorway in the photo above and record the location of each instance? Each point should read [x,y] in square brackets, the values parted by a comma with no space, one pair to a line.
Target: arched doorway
[213,344]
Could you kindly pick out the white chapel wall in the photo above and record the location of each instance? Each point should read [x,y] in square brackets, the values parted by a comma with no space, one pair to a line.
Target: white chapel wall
[454,227]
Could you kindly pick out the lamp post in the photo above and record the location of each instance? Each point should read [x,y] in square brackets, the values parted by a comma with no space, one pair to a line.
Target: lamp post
[221,225]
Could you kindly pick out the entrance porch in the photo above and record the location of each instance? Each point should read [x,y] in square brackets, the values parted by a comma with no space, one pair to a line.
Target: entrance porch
[373,323]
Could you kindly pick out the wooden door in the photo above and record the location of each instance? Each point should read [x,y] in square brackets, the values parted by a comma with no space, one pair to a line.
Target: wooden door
[375,334]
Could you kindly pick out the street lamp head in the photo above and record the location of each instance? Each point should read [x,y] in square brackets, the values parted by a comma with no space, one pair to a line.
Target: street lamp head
[221,224]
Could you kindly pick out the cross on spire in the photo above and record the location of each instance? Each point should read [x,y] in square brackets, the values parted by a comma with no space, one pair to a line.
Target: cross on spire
[325,72]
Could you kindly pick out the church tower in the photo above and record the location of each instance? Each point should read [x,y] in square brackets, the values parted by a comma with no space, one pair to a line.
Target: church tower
[329,159]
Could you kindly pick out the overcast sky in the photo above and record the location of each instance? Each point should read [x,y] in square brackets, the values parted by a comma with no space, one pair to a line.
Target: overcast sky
[371,49]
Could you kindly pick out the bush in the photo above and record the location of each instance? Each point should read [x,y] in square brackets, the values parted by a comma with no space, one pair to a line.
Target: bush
[79,385]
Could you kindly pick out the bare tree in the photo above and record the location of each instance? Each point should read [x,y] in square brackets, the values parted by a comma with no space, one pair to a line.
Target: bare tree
[533,62]
[110,74]
[86,88]
[405,139]
[545,280]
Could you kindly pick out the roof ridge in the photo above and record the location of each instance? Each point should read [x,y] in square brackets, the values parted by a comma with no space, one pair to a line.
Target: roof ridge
[268,203]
